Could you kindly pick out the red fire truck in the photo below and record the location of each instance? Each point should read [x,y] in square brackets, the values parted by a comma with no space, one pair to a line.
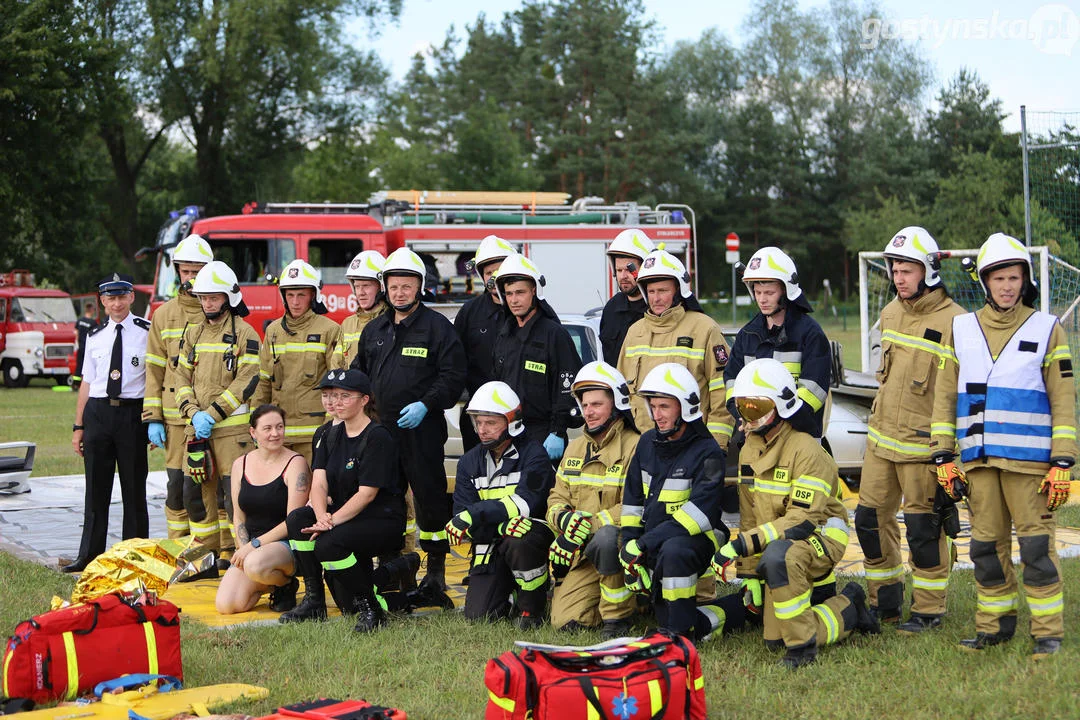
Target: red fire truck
[37,331]
[567,242]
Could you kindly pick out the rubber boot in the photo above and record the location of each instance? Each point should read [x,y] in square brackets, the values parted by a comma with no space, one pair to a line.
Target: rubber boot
[312,607]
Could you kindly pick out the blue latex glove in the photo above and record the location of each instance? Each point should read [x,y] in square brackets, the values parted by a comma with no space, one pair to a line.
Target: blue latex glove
[554,446]
[412,415]
[203,422]
[155,431]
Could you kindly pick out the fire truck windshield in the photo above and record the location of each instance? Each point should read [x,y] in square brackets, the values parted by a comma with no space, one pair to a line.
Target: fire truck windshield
[42,309]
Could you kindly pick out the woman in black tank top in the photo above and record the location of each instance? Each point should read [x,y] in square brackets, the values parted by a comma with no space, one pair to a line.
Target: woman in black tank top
[273,481]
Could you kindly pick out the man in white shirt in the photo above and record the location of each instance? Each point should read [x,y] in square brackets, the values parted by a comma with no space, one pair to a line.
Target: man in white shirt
[109,433]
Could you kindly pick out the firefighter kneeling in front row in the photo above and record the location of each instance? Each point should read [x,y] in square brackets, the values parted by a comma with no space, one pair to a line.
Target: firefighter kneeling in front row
[671,505]
[585,505]
[499,501]
[801,530]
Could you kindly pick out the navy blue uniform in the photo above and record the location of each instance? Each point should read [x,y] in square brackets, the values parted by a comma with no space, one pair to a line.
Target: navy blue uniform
[619,314]
[477,325]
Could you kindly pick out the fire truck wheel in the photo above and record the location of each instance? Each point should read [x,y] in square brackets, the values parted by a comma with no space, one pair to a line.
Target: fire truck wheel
[14,377]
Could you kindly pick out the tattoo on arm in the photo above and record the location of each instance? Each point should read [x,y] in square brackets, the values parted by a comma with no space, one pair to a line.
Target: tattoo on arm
[242,533]
[303,480]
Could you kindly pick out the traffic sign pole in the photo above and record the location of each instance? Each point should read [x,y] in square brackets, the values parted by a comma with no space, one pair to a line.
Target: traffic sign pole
[732,243]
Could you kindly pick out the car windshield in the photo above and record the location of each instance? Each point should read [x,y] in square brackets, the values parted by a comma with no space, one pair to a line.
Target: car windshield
[579,334]
[42,309]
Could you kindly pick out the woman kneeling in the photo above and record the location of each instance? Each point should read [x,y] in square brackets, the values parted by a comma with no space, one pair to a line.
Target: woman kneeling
[274,481]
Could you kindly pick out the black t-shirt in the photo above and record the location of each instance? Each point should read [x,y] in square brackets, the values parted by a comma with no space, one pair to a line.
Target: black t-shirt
[369,459]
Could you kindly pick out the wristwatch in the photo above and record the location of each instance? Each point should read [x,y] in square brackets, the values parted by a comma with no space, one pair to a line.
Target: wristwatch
[256,543]
[76,427]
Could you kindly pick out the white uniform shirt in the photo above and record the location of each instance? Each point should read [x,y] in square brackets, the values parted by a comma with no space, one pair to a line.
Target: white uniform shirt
[99,345]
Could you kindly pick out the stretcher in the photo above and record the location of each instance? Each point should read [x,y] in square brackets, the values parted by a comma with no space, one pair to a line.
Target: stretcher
[155,706]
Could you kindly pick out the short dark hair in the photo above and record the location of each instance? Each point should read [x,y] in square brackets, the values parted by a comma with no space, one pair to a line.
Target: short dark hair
[263,410]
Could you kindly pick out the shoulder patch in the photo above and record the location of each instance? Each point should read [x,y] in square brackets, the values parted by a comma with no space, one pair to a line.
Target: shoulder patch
[252,346]
[685,341]
[142,322]
[721,354]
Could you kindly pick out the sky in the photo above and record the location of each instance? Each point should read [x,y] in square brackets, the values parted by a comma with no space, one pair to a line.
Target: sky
[1027,52]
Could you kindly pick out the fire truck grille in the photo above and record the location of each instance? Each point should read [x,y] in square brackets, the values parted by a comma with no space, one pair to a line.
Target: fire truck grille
[59,351]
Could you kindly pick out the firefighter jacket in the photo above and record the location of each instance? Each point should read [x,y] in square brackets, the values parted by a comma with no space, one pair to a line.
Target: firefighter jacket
[916,346]
[618,315]
[217,372]
[796,488]
[496,491]
[351,328]
[295,355]
[800,344]
[690,338]
[673,489]
[1009,400]
[163,351]
[539,361]
[477,325]
[419,358]
[591,476]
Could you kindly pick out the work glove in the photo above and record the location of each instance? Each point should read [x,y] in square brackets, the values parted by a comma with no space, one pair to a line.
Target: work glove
[630,556]
[576,526]
[516,527]
[554,446]
[155,431]
[203,422]
[754,596]
[949,476]
[725,557]
[638,580]
[561,556]
[1056,484]
[200,461]
[458,527]
[412,415]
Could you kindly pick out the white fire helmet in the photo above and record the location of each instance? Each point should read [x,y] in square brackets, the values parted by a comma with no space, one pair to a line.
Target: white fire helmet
[498,398]
[1001,250]
[491,248]
[915,244]
[770,263]
[193,249]
[299,274]
[767,379]
[598,375]
[673,380]
[662,265]
[404,261]
[631,243]
[519,267]
[366,266]
[217,277]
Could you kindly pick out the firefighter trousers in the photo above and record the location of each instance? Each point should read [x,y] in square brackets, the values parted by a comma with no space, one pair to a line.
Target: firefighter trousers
[176,516]
[676,566]
[421,456]
[208,518]
[789,568]
[509,565]
[883,484]
[594,589]
[998,500]
[343,553]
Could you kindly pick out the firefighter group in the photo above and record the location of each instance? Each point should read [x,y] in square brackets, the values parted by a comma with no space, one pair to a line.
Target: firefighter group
[317,453]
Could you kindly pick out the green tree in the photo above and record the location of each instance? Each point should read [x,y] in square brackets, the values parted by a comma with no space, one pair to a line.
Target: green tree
[968,118]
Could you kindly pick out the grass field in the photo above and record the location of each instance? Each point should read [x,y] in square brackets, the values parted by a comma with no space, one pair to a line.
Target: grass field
[433,666]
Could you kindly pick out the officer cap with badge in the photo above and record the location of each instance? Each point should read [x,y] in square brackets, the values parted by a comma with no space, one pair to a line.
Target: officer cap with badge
[116,284]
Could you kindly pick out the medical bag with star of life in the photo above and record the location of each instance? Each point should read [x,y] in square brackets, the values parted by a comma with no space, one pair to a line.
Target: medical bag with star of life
[656,676]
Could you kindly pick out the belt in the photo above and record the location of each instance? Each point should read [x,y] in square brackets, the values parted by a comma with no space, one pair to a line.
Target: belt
[120,402]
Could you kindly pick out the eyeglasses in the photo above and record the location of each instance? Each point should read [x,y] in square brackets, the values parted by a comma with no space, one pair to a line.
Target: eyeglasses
[342,397]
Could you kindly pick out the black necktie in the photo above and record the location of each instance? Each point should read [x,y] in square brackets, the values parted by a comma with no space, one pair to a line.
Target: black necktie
[112,389]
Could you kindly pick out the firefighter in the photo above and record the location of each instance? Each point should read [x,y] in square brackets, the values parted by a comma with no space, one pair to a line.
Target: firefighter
[1009,404]
[782,330]
[108,432]
[216,376]
[585,505]
[535,355]
[297,350]
[802,531]
[499,500]
[363,275]
[477,324]
[85,325]
[676,329]
[916,339]
[165,427]
[627,252]
[417,370]
[670,514]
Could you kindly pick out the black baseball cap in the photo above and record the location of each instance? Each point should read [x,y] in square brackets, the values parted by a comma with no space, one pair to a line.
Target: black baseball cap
[116,284]
[354,380]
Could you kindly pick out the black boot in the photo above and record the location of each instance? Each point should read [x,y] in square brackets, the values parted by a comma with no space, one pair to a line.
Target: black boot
[436,571]
[865,620]
[796,657]
[283,598]
[312,607]
[397,574]
[369,615]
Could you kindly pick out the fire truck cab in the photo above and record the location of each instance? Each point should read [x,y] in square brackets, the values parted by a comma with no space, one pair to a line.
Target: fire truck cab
[37,331]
